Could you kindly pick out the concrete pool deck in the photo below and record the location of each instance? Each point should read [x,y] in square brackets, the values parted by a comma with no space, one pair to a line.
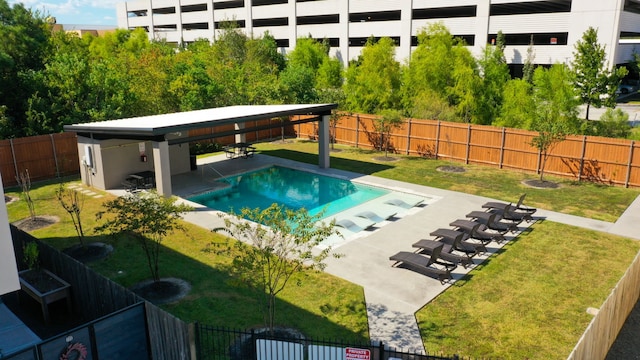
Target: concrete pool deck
[392,295]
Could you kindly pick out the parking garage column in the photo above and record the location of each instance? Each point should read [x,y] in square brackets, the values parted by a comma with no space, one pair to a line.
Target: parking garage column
[162,166]
[323,141]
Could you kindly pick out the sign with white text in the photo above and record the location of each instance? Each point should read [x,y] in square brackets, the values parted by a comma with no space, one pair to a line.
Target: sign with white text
[357,354]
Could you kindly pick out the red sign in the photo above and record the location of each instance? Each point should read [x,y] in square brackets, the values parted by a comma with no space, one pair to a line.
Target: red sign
[357,354]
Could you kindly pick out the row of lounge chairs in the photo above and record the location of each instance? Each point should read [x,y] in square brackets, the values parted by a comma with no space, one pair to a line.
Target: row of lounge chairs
[469,237]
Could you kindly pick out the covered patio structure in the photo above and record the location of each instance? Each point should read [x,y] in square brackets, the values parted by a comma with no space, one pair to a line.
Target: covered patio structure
[152,146]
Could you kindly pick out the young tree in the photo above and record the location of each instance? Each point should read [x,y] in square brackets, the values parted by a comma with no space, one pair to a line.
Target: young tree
[556,109]
[72,201]
[24,181]
[388,120]
[148,217]
[596,83]
[275,244]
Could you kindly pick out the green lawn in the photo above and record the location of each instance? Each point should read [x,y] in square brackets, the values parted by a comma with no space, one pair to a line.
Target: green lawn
[528,301]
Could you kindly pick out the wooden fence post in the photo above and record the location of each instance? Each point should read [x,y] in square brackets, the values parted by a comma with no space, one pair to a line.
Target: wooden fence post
[437,139]
[626,182]
[504,132]
[466,157]
[13,155]
[584,149]
[409,137]
[55,156]
[357,129]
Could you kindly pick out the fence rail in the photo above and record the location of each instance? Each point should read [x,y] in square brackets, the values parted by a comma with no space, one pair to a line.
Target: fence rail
[590,158]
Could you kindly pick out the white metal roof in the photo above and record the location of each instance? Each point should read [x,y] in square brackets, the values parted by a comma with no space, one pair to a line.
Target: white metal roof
[163,124]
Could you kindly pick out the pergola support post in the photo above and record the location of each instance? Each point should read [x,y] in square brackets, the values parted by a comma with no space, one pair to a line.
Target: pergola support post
[163,167]
[323,141]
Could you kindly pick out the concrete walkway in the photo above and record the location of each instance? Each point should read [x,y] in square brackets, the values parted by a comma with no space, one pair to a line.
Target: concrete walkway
[393,295]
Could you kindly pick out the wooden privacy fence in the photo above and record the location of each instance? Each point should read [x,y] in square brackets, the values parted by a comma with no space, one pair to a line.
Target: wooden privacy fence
[44,156]
[605,326]
[592,158]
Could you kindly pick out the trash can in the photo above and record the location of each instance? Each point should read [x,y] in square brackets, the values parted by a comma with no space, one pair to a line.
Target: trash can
[194,166]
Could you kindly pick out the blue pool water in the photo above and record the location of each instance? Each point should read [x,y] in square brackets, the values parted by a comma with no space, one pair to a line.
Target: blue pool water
[291,188]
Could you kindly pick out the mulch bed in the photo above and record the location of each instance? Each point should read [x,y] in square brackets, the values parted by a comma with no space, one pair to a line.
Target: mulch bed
[540,184]
[163,291]
[38,222]
[89,252]
[385,158]
[451,169]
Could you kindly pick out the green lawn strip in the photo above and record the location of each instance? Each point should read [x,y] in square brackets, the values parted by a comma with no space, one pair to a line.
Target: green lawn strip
[596,201]
[530,300]
[321,306]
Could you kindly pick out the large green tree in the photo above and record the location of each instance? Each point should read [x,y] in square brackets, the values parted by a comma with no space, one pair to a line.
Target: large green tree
[518,107]
[24,46]
[441,77]
[373,83]
[494,75]
[595,81]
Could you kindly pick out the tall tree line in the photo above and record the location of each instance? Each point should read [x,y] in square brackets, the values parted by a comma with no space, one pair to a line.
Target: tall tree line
[50,79]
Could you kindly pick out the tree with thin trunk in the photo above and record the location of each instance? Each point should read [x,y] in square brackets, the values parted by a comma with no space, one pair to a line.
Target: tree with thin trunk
[274,244]
[148,217]
[388,120]
[72,201]
[24,181]
[556,109]
[595,81]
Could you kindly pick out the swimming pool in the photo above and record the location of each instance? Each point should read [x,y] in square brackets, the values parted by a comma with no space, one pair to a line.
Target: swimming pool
[294,189]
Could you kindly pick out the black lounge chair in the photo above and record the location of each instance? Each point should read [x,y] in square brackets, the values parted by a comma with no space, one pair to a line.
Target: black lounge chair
[493,221]
[519,207]
[423,264]
[447,253]
[458,240]
[478,231]
[508,212]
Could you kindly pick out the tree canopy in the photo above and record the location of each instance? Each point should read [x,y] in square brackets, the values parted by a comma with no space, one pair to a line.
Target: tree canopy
[51,79]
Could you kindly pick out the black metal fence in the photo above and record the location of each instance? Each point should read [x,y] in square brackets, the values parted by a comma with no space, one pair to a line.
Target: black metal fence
[168,336]
[217,343]
[121,335]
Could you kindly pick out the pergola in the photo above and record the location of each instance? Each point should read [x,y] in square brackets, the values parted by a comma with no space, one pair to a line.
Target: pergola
[110,150]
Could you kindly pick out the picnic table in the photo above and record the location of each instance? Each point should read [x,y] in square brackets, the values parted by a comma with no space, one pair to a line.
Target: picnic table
[140,180]
[244,150]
